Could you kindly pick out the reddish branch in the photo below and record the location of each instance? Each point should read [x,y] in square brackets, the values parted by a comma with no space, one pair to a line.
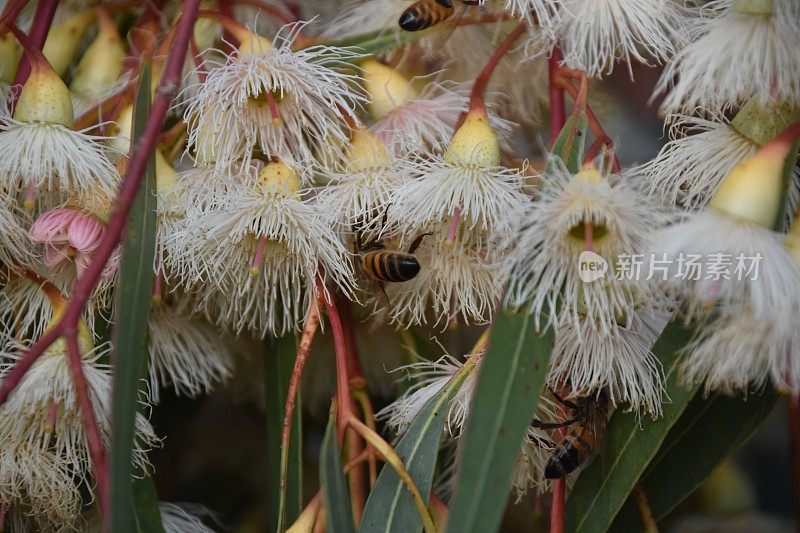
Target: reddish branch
[557,509]
[558,106]
[476,100]
[344,405]
[580,96]
[82,290]
[277,11]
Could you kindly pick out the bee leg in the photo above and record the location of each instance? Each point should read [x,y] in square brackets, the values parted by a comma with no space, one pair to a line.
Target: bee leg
[538,424]
[384,297]
[565,403]
[417,242]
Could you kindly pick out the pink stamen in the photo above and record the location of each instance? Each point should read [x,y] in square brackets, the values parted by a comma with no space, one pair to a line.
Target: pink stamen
[30,197]
[451,233]
[51,418]
[588,235]
[159,282]
[273,109]
[259,258]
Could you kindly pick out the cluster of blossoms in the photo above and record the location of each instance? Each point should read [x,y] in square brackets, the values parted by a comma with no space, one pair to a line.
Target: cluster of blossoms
[296,157]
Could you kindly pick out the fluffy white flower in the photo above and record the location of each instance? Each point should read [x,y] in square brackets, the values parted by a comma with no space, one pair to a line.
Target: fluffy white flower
[15,247]
[359,191]
[745,267]
[43,410]
[273,98]
[457,280]
[595,34]
[544,12]
[257,252]
[426,119]
[38,486]
[733,56]
[544,272]
[617,361]
[53,157]
[185,353]
[689,169]
[466,186]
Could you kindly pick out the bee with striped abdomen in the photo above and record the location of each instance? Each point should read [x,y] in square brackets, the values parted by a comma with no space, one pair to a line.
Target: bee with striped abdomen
[586,429]
[424,14]
[388,266]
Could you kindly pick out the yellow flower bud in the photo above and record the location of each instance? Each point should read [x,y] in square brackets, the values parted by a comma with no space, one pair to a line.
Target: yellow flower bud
[44,98]
[166,178]
[64,38]
[122,131]
[9,57]
[754,188]
[366,152]
[251,43]
[386,87]
[101,65]
[475,143]
[278,177]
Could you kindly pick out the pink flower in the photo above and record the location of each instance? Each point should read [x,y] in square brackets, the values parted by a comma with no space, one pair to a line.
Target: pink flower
[68,234]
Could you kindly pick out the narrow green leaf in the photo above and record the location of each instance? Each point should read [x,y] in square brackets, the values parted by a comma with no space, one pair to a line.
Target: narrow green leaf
[781,220]
[629,446]
[278,362]
[708,432]
[569,144]
[333,484]
[130,332]
[145,501]
[510,382]
[389,506]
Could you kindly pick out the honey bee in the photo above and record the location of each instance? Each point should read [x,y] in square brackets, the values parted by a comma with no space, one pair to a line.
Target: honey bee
[424,14]
[587,428]
[388,266]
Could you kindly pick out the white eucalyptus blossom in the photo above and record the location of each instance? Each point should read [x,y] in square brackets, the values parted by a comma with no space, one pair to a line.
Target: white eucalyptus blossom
[270,97]
[618,361]
[689,169]
[739,49]
[359,191]
[575,214]
[186,353]
[595,34]
[257,253]
[43,410]
[37,485]
[15,249]
[458,280]
[466,183]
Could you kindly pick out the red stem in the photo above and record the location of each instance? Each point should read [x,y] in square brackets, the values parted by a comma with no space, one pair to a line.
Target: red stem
[557,509]
[558,105]
[344,402]
[476,99]
[96,449]
[42,21]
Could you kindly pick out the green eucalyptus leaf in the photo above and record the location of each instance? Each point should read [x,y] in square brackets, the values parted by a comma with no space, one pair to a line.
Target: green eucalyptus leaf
[390,506]
[569,145]
[278,363]
[708,432]
[510,382]
[130,355]
[335,494]
[629,446]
